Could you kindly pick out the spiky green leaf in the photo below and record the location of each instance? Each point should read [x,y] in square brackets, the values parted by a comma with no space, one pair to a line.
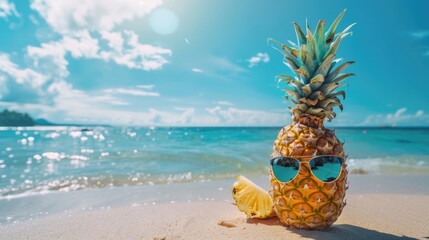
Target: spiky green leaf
[347,29]
[311,45]
[306,58]
[330,117]
[291,63]
[325,102]
[289,80]
[317,95]
[308,101]
[331,90]
[333,48]
[333,105]
[328,88]
[342,77]
[292,51]
[293,44]
[306,90]
[307,27]
[316,111]
[291,100]
[319,35]
[284,49]
[302,107]
[337,71]
[316,82]
[334,63]
[329,35]
[292,94]
[324,67]
[303,73]
[340,93]
[302,39]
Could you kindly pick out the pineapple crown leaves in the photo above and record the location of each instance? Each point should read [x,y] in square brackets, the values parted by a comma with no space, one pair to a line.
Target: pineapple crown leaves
[314,88]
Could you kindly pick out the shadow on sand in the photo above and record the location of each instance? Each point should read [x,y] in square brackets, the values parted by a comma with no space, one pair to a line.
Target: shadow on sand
[339,231]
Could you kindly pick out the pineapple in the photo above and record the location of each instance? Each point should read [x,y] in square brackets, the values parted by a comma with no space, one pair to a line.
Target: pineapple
[306,202]
[245,191]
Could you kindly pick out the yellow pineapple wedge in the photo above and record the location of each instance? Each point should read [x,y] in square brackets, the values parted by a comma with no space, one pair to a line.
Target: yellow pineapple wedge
[251,199]
[305,202]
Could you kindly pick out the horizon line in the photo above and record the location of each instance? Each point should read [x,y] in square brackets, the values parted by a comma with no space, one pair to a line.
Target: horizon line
[199,126]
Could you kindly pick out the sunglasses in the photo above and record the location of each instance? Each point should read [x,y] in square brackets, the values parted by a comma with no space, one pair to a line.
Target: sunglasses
[325,168]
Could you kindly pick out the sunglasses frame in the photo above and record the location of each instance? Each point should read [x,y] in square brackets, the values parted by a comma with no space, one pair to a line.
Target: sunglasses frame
[342,160]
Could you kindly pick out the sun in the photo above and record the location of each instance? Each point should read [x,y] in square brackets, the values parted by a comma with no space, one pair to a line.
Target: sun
[163,21]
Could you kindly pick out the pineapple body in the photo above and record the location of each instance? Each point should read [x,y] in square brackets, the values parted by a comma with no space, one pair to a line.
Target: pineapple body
[306,202]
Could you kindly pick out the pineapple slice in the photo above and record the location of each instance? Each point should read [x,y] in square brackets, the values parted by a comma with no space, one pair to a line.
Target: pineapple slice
[252,199]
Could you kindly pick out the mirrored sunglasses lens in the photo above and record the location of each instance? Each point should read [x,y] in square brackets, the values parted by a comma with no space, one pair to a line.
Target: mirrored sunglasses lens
[285,169]
[326,168]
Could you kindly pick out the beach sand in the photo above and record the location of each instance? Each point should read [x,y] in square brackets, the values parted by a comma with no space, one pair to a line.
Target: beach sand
[379,207]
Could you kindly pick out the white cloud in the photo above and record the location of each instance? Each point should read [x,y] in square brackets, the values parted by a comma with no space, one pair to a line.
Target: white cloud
[397,114]
[148,87]
[260,57]
[133,92]
[134,54]
[224,103]
[7,9]
[16,83]
[51,56]
[79,107]
[85,24]
[114,40]
[21,76]
[420,34]
[197,70]
[245,117]
[187,115]
[399,117]
[70,105]
[66,17]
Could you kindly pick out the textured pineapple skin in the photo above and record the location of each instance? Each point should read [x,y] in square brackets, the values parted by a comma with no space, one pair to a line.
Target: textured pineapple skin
[306,202]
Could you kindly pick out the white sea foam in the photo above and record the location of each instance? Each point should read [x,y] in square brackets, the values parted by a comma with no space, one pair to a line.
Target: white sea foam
[402,164]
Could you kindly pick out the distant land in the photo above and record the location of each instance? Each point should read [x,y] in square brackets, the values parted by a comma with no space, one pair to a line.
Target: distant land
[10,118]
[14,119]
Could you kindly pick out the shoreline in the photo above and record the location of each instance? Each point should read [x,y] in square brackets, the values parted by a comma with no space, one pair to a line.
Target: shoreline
[57,202]
[379,207]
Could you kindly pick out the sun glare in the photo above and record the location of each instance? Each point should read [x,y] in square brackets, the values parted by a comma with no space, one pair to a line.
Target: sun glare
[163,21]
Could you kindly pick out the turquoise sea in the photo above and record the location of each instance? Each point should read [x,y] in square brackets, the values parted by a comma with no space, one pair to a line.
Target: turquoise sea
[38,160]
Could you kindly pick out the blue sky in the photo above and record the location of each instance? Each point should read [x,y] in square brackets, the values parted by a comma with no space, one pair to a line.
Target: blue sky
[203,63]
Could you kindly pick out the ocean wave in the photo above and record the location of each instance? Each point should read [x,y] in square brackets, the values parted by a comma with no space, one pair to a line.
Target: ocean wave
[82,183]
[378,165]
[389,165]
[75,158]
